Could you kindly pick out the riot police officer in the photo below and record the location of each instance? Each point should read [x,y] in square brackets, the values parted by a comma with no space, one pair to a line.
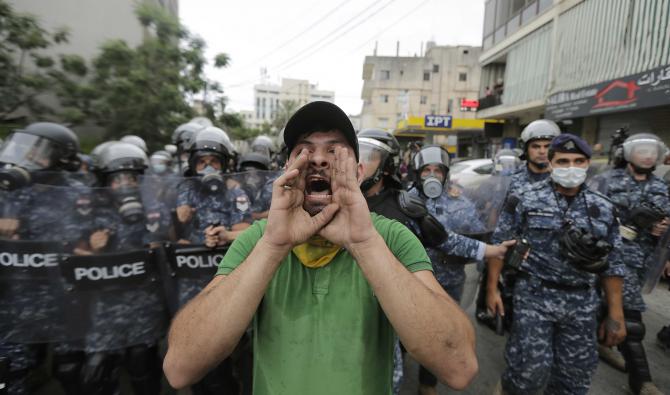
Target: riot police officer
[126,325]
[380,156]
[181,138]
[38,205]
[535,138]
[457,214]
[209,204]
[161,163]
[643,205]
[257,181]
[573,239]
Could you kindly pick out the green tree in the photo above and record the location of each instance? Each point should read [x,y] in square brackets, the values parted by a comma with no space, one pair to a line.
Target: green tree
[26,72]
[284,112]
[145,90]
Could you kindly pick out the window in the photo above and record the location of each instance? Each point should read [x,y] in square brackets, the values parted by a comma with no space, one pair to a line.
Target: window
[466,51]
[462,76]
[384,98]
[383,122]
[424,99]
[436,68]
[402,72]
[450,105]
[385,75]
[426,75]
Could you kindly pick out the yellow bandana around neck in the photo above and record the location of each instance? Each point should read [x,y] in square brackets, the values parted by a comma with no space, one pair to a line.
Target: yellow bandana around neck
[316,252]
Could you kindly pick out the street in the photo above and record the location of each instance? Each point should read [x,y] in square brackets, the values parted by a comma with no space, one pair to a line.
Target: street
[607,380]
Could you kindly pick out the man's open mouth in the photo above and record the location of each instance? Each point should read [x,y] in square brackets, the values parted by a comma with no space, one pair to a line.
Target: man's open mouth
[317,187]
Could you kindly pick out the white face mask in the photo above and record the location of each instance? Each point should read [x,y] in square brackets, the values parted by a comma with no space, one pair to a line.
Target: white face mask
[568,177]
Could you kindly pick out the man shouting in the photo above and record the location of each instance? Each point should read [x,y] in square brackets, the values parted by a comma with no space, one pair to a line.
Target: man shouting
[325,284]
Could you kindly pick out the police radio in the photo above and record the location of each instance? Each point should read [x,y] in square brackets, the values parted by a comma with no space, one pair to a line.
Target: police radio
[515,255]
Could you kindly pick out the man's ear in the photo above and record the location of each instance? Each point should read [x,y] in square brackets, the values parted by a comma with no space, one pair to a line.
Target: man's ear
[359,173]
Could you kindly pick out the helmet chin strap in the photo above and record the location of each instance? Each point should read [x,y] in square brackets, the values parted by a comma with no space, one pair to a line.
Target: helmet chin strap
[372,181]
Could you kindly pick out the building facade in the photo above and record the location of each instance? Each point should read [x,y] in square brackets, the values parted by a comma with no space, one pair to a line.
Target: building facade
[431,97]
[270,99]
[592,65]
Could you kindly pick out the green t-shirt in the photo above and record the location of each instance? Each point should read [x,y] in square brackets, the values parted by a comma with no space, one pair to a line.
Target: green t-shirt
[322,331]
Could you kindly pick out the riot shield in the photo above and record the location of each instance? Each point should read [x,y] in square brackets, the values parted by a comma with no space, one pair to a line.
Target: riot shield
[159,201]
[258,186]
[476,216]
[114,300]
[190,269]
[47,225]
[656,263]
[31,308]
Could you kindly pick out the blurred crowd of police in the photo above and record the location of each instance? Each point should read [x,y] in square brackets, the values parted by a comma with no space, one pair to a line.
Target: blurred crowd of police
[179,208]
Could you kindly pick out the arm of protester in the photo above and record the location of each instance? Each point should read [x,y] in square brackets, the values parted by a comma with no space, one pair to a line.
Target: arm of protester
[431,326]
[209,327]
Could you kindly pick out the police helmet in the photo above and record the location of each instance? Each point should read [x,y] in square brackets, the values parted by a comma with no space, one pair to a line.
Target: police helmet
[506,160]
[121,156]
[541,129]
[183,133]
[135,140]
[644,150]
[211,141]
[393,161]
[263,145]
[253,160]
[42,146]
[202,121]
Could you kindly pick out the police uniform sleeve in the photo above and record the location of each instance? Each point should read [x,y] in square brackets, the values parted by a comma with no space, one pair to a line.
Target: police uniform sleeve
[463,246]
[185,193]
[241,248]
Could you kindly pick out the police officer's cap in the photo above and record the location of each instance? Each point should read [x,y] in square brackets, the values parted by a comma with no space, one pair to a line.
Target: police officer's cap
[319,116]
[570,143]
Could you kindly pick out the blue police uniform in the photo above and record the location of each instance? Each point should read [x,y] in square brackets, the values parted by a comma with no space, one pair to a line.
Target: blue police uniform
[553,336]
[523,177]
[228,207]
[457,214]
[45,213]
[626,193]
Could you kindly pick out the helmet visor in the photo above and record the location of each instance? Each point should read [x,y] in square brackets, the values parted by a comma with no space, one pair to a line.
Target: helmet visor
[372,155]
[644,153]
[28,151]
[431,156]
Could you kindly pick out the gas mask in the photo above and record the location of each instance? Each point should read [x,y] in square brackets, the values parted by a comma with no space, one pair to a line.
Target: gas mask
[211,179]
[431,186]
[13,177]
[568,177]
[127,197]
[129,203]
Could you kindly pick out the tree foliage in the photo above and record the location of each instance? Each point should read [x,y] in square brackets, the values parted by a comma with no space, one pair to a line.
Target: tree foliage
[26,71]
[145,90]
[285,109]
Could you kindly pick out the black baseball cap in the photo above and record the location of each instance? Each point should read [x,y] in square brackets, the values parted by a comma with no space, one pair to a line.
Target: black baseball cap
[319,116]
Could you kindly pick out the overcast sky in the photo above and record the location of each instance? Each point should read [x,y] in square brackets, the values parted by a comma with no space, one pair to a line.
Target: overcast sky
[324,42]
